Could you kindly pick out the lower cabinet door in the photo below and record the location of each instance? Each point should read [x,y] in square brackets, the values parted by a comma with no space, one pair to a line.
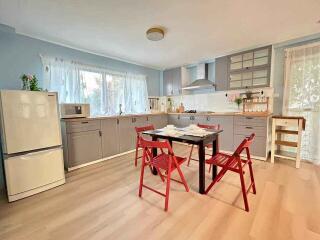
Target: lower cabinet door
[126,134]
[158,121]
[84,147]
[226,136]
[258,147]
[110,137]
[174,119]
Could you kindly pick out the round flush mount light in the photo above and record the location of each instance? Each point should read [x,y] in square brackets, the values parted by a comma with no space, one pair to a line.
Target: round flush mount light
[155,34]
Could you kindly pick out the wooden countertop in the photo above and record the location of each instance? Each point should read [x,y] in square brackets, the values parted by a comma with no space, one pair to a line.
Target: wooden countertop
[111,116]
[253,114]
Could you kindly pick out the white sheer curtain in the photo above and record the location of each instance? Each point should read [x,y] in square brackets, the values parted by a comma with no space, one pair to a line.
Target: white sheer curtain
[137,94]
[104,89]
[302,95]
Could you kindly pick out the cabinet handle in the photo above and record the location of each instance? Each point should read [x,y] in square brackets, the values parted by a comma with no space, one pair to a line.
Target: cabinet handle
[84,122]
[249,117]
[249,127]
[208,119]
[117,121]
[100,133]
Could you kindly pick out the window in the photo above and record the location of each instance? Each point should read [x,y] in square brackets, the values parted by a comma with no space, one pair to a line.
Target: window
[301,95]
[105,90]
[91,91]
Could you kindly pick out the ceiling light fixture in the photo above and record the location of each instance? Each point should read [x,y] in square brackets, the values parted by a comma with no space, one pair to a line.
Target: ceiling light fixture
[155,34]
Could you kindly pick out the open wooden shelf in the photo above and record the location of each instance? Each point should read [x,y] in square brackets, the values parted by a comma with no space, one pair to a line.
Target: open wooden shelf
[287,131]
[286,143]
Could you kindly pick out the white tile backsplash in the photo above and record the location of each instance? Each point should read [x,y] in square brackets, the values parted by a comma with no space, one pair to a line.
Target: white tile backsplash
[216,102]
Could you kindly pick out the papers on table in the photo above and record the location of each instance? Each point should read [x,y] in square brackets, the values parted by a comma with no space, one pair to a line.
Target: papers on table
[192,130]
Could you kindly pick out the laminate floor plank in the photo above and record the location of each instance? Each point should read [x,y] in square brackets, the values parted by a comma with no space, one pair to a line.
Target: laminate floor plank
[101,202]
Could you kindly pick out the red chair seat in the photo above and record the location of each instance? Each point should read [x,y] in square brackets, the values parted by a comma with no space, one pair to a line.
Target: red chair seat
[221,159]
[162,161]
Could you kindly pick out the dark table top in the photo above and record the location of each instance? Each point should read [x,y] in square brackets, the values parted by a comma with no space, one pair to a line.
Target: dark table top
[186,138]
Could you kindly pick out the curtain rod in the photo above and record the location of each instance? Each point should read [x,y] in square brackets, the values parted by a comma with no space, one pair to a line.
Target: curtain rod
[104,68]
[308,45]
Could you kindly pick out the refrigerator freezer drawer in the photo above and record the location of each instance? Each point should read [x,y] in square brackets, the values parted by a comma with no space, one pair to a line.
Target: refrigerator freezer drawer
[32,173]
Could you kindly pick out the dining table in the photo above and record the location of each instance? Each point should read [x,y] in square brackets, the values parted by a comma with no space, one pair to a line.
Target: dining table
[201,142]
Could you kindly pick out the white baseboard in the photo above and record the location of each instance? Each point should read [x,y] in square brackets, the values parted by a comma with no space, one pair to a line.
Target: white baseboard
[100,160]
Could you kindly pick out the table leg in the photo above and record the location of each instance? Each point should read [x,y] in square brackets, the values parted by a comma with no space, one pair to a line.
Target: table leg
[154,153]
[215,150]
[202,168]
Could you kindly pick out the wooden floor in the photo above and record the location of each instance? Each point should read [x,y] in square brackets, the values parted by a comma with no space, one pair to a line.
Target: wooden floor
[101,202]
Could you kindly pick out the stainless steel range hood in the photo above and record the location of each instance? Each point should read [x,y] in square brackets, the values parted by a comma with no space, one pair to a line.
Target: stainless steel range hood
[202,79]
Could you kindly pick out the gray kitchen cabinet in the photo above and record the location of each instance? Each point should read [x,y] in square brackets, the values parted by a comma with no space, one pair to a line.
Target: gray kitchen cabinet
[250,69]
[81,142]
[167,83]
[185,120]
[110,137]
[244,126]
[226,124]
[172,82]
[174,119]
[221,73]
[258,147]
[84,147]
[158,121]
[126,134]
[225,137]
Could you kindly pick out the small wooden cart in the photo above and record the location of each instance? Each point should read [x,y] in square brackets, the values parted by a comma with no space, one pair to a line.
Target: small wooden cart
[286,125]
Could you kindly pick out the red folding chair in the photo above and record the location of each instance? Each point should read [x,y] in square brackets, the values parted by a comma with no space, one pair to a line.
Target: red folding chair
[208,146]
[235,164]
[139,130]
[165,163]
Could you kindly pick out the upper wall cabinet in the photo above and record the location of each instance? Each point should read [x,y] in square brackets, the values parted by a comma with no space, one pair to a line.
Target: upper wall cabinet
[222,73]
[172,82]
[250,69]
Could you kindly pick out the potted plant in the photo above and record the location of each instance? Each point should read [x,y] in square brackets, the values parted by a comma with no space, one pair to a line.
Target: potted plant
[30,82]
[238,100]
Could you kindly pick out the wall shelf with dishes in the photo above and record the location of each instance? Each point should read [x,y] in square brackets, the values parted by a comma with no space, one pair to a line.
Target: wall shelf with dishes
[256,104]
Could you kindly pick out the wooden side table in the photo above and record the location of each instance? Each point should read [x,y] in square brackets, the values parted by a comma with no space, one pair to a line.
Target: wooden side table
[280,125]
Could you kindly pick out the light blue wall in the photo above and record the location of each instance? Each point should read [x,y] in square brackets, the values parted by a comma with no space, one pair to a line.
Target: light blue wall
[20,54]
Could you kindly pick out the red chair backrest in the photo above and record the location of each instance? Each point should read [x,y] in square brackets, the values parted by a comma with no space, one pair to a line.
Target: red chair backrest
[144,128]
[245,144]
[162,145]
[213,127]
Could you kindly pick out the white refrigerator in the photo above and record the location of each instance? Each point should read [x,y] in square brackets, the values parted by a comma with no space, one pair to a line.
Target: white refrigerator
[31,142]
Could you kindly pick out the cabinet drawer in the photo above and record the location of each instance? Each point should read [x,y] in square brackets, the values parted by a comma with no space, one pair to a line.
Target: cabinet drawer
[248,130]
[287,122]
[82,126]
[250,121]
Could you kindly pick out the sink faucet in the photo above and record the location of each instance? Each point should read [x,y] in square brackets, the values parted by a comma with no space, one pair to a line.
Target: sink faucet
[120,110]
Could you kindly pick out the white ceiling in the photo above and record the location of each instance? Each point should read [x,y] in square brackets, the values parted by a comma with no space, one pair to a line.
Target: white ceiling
[196,30]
